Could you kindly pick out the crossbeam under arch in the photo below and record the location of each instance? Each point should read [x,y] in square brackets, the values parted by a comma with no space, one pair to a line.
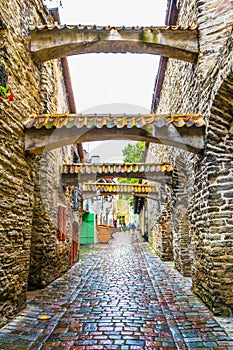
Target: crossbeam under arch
[46,132]
[73,174]
[55,41]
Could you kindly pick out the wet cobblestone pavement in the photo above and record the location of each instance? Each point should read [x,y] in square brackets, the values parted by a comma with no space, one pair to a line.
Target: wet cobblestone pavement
[119,296]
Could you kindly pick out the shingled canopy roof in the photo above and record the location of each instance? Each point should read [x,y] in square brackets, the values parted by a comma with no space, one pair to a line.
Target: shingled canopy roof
[107,188]
[113,168]
[110,120]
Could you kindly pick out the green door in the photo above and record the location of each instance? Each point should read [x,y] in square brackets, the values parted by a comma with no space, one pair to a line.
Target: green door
[87,232]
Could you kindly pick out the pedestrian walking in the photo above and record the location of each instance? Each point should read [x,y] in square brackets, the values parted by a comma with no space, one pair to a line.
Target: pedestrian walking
[124,226]
[133,227]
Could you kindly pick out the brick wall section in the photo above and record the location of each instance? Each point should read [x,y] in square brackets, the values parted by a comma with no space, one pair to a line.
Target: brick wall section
[28,220]
[205,87]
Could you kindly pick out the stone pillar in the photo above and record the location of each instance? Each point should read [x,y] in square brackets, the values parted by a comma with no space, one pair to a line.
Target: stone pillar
[182,246]
[180,216]
[165,247]
[160,235]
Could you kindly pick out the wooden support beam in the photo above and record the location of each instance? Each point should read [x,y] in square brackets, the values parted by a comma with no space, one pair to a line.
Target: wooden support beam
[89,195]
[45,133]
[73,174]
[38,141]
[56,41]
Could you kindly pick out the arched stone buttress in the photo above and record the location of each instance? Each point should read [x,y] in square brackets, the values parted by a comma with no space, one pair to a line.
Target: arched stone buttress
[213,224]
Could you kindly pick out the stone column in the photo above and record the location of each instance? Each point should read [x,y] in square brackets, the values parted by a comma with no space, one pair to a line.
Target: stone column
[182,246]
[162,233]
[180,216]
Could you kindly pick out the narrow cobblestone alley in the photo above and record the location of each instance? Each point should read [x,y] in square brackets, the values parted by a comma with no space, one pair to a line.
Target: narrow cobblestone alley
[119,296]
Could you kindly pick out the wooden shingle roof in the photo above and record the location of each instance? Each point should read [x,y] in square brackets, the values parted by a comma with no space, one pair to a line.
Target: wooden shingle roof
[115,168]
[105,188]
[112,120]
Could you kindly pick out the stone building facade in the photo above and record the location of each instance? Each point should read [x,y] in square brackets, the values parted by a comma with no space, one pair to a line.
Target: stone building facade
[198,207]
[38,225]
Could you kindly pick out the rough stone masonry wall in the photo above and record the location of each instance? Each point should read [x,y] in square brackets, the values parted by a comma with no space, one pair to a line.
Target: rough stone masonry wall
[16,190]
[159,216]
[206,87]
[180,200]
[50,256]
[213,272]
[17,171]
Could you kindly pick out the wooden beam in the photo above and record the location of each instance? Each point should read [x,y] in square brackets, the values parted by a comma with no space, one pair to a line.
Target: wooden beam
[89,195]
[75,179]
[56,41]
[73,174]
[42,140]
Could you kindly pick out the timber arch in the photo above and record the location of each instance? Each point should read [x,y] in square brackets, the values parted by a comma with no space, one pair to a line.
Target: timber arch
[56,41]
[47,132]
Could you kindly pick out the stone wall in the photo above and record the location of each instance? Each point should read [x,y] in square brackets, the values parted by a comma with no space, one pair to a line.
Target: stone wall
[26,217]
[159,216]
[50,256]
[213,208]
[202,223]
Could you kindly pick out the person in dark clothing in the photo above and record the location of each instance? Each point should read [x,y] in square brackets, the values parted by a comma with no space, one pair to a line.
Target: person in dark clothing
[124,226]
[133,227]
[145,237]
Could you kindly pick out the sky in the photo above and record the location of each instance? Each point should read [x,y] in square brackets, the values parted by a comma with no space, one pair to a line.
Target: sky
[112,83]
